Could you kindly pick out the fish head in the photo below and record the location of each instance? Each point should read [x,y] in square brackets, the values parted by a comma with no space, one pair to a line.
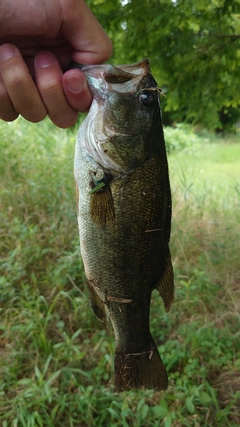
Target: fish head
[120,129]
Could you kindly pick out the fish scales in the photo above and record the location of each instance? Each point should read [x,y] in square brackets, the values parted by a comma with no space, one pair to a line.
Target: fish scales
[124,225]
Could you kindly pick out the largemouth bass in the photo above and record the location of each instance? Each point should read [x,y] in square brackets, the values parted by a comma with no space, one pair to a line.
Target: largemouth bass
[124,214]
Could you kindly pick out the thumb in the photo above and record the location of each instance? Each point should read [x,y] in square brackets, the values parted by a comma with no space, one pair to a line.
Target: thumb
[80,27]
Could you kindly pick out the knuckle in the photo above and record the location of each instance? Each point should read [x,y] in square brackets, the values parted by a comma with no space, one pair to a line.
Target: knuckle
[65,121]
[34,116]
[107,48]
[14,78]
[49,86]
[82,104]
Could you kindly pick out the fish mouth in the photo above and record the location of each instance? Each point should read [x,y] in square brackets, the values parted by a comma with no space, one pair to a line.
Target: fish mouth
[123,78]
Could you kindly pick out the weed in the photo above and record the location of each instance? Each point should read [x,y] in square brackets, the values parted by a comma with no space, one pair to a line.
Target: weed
[56,358]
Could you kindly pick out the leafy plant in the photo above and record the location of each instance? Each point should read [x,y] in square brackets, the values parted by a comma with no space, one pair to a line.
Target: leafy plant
[56,359]
[194,49]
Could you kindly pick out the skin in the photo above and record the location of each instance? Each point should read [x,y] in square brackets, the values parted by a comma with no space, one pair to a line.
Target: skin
[38,39]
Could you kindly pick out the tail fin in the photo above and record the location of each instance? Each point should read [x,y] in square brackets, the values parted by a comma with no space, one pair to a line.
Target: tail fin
[140,370]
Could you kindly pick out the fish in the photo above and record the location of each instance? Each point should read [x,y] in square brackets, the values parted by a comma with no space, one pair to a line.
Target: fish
[124,214]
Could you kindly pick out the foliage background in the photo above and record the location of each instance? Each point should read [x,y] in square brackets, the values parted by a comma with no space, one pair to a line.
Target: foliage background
[194,47]
[56,358]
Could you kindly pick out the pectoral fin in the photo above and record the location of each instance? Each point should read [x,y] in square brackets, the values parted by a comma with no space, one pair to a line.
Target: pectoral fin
[102,206]
[166,284]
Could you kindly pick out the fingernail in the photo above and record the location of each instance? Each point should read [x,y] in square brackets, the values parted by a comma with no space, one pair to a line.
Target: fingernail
[45,59]
[75,84]
[7,51]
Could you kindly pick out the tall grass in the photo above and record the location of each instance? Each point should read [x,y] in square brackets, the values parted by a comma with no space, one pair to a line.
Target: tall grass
[56,359]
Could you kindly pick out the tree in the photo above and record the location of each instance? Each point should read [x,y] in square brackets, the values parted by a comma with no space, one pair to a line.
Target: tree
[194,48]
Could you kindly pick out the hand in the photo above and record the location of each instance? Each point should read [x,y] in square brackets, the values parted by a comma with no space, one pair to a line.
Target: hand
[38,39]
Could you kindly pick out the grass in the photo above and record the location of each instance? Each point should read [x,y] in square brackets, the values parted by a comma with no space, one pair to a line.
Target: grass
[56,359]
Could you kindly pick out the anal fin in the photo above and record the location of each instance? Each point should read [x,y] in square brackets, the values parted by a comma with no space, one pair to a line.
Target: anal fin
[166,284]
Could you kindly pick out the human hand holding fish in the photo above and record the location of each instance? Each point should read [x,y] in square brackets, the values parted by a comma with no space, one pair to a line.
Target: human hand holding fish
[124,214]
[37,41]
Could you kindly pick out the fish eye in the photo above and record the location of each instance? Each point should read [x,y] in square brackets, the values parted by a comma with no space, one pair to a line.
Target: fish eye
[147,98]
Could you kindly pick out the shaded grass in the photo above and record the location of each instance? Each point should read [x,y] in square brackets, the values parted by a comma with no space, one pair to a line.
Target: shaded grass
[56,359]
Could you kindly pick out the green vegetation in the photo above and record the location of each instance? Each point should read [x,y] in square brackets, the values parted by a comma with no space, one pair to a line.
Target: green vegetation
[194,47]
[56,359]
